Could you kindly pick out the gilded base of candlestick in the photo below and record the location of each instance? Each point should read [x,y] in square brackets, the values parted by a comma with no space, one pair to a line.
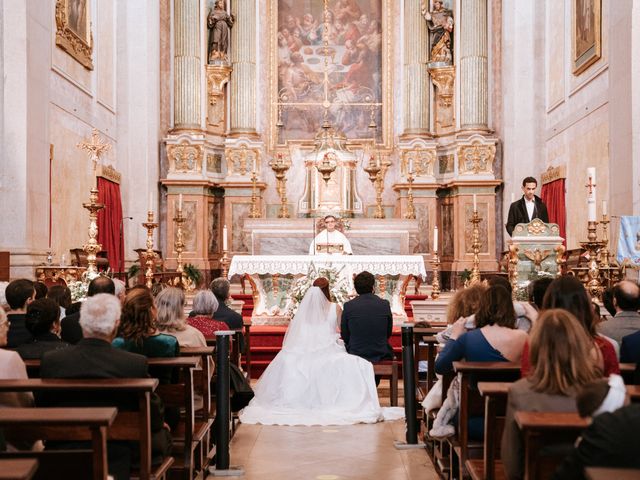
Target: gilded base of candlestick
[593,282]
[513,269]
[179,248]
[255,211]
[411,210]
[225,262]
[149,255]
[475,245]
[435,284]
[92,247]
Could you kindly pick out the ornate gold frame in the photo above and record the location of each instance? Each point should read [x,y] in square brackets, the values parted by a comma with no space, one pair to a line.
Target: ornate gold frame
[593,54]
[387,79]
[79,48]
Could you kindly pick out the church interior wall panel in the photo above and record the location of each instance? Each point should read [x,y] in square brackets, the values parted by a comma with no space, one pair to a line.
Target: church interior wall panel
[556,59]
[105,49]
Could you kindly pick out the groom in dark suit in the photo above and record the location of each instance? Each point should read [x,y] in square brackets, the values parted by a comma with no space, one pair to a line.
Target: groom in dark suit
[367,322]
[530,206]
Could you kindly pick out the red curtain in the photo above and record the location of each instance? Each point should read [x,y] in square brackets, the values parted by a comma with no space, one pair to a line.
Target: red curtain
[110,223]
[552,195]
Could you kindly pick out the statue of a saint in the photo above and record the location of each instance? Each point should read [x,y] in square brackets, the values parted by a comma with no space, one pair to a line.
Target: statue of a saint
[440,24]
[219,23]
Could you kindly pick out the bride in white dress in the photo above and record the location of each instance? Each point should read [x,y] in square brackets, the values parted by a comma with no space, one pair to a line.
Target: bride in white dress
[313,380]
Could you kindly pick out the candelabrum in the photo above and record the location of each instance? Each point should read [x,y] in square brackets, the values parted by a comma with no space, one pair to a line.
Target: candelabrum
[280,167]
[475,245]
[604,252]
[255,211]
[92,247]
[179,246]
[411,211]
[225,261]
[593,247]
[375,175]
[435,284]
[513,268]
[149,255]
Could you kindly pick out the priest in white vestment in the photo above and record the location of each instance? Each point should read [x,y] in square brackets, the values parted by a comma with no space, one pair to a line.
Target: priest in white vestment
[330,236]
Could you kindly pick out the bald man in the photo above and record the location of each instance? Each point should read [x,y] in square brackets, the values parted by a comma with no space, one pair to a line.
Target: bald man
[626,300]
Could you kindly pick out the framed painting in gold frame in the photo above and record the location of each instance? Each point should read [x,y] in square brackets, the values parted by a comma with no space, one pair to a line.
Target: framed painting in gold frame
[321,71]
[73,30]
[586,34]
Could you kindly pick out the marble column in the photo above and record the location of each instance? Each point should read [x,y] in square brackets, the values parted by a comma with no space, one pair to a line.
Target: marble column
[473,51]
[415,74]
[243,61]
[187,64]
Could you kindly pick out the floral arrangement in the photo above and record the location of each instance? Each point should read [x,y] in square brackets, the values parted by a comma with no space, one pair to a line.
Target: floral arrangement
[80,288]
[338,287]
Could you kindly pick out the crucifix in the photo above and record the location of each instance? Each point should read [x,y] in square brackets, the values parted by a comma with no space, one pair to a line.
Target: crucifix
[94,148]
[590,185]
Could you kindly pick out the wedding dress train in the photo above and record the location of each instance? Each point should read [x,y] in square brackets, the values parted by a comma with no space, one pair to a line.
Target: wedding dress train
[313,380]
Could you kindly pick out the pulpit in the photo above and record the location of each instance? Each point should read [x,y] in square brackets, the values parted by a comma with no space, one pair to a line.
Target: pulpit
[535,250]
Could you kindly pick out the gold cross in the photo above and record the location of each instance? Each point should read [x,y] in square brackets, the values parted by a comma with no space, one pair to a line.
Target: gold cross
[590,185]
[95,148]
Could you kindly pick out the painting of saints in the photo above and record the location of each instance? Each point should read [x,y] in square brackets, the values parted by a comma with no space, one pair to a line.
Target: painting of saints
[77,18]
[586,34]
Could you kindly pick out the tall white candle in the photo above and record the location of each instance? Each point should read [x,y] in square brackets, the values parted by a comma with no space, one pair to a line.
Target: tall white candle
[604,207]
[591,194]
[435,239]
[475,203]
[225,245]
[180,202]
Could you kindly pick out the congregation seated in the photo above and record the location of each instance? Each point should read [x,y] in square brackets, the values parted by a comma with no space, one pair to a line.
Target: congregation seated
[495,339]
[11,367]
[71,332]
[62,296]
[43,322]
[172,321]
[611,438]
[569,294]
[19,294]
[95,357]
[138,331]
[626,301]
[560,353]
[205,304]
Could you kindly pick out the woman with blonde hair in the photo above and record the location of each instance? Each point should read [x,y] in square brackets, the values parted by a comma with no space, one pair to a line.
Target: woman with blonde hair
[560,353]
[172,320]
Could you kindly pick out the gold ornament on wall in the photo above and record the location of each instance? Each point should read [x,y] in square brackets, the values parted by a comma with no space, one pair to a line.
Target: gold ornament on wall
[185,157]
[242,160]
[421,159]
[476,158]
[73,30]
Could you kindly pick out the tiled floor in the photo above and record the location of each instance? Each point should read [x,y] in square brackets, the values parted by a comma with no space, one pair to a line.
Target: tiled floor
[328,453]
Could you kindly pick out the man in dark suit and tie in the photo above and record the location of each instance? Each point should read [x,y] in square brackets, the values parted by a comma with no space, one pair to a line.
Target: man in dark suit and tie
[367,322]
[530,206]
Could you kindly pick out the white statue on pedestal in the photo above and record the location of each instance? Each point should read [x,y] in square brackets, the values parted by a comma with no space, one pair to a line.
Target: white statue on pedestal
[330,240]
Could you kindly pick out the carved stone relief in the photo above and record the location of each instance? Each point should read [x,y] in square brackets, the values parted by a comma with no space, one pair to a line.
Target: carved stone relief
[185,157]
[476,158]
[242,160]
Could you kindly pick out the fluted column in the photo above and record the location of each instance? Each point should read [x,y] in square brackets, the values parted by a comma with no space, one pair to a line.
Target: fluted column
[474,108]
[243,60]
[416,77]
[187,64]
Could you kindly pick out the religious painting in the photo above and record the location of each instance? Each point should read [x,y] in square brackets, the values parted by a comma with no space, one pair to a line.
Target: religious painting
[586,34]
[73,30]
[329,67]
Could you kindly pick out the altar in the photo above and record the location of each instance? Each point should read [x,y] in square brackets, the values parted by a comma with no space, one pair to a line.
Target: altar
[272,278]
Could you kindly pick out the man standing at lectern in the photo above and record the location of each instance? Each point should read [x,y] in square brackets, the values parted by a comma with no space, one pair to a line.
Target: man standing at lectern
[530,206]
[329,237]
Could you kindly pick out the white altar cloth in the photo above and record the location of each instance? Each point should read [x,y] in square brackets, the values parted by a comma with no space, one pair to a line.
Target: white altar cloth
[299,264]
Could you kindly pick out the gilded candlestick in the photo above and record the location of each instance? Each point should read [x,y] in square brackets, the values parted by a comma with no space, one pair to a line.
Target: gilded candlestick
[92,247]
[411,211]
[475,245]
[179,245]
[255,211]
[435,284]
[513,269]
[592,282]
[374,170]
[150,255]
[280,167]
[604,252]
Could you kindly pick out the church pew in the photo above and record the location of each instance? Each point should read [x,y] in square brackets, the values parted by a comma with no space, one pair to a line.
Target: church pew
[472,404]
[18,468]
[601,473]
[627,371]
[128,426]
[388,369]
[61,424]
[541,429]
[428,352]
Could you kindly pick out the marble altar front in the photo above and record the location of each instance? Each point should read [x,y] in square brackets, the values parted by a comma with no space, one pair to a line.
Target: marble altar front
[272,276]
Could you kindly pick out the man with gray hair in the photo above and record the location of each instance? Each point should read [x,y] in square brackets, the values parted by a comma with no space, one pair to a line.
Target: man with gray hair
[95,357]
[220,287]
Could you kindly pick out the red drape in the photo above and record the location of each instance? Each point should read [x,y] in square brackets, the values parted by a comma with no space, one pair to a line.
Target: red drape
[110,223]
[552,195]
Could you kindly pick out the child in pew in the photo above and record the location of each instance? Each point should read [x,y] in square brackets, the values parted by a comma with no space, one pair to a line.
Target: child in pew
[561,363]
[495,339]
[611,439]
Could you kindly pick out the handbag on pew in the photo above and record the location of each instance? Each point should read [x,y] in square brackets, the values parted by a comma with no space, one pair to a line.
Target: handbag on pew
[242,393]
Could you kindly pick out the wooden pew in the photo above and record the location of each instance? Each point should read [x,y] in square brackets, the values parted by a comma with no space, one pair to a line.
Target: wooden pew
[472,404]
[541,429]
[18,468]
[626,372]
[430,350]
[62,424]
[128,426]
[388,369]
[601,473]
